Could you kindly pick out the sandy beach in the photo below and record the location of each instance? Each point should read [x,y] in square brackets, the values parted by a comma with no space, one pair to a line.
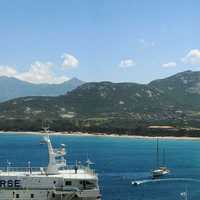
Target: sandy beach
[100,135]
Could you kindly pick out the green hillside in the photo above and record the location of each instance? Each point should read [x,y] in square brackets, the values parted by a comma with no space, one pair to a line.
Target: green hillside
[106,106]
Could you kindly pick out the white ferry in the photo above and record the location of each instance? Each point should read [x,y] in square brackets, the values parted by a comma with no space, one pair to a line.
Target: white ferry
[58,181]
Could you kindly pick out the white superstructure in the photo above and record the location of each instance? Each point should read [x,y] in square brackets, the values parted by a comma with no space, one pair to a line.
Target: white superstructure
[58,181]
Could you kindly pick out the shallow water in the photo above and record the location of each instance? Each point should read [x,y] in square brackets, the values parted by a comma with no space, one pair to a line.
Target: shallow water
[118,161]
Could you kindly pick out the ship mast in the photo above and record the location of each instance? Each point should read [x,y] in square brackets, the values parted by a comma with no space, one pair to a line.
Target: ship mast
[52,167]
[56,156]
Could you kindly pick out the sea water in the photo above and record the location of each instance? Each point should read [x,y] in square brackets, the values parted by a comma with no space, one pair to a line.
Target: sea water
[118,161]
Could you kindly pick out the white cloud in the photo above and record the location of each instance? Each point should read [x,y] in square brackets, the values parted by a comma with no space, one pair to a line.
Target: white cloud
[41,72]
[38,72]
[192,57]
[7,71]
[127,63]
[69,61]
[169,65]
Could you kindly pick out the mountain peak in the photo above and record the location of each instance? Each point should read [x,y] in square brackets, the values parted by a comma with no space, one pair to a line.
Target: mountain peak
[75,81]
[11,87]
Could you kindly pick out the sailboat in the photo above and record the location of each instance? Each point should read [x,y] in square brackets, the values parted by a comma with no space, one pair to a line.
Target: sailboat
[160,170]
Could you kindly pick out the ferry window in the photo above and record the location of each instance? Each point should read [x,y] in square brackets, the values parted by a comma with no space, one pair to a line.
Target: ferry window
[32,195]
[68,183]
[54,182]
[83,182]
[89,183]
[17,196]
[53,195]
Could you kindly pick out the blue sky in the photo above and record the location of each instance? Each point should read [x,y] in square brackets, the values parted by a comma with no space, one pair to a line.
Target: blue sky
[96,40]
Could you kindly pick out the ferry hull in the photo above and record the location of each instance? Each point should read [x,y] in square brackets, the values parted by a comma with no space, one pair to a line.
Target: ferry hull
[44,195]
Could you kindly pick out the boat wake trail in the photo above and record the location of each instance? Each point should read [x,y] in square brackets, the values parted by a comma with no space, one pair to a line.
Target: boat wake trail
[140,182]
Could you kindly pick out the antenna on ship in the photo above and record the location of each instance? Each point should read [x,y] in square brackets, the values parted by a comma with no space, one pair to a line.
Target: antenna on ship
[8,165]
[45,126]
[29,167]
[56,156]
[89,162]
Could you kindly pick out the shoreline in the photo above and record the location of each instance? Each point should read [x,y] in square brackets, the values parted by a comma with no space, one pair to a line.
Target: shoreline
[100,135]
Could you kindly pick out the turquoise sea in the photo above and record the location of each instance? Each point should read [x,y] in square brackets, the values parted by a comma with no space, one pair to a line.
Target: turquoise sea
[118,161]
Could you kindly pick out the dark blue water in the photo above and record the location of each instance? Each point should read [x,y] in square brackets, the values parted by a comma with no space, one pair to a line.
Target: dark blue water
[118,161]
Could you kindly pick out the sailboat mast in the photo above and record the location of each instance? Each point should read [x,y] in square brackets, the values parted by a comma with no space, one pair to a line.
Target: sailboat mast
[164,159]
[157,152]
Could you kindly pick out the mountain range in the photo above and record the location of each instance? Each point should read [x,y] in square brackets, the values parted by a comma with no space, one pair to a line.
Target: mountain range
[97,106]
[12,88]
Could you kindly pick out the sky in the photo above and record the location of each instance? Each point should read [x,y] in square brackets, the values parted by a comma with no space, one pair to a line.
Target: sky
[52,41]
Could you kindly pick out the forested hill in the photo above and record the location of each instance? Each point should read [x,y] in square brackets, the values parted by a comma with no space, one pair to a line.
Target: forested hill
[173,101]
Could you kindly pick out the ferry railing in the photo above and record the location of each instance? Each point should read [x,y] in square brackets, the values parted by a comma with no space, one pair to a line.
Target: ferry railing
[22,169]
[79,169]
